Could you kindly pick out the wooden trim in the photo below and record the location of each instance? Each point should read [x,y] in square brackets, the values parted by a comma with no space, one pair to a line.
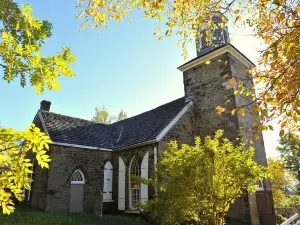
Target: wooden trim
[43,123]
[144,173]
[227,48]
[121,185]
[81,146]
[291,219]
[108,200]
[173,122]
[136,145]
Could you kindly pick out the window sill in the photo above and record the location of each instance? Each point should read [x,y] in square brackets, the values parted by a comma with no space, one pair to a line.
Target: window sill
[131,211]
[259,190]
[106,200]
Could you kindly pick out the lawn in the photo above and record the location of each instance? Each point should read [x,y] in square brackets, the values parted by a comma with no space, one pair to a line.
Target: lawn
[29,216]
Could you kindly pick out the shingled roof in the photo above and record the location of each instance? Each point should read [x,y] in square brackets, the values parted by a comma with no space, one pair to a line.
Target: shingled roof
[141,128]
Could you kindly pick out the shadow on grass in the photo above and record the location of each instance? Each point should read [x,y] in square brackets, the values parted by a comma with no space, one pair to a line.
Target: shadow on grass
[31,216]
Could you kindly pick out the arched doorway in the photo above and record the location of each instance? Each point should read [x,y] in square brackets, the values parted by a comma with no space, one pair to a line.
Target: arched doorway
[77,191]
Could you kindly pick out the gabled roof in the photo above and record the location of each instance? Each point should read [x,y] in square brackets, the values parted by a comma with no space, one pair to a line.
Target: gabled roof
[70,130]
[141,128]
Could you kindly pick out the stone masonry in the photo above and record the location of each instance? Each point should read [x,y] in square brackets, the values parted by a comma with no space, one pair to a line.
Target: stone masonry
[183,131]
[127,155]
[206,86]
[95,144]
[55,183]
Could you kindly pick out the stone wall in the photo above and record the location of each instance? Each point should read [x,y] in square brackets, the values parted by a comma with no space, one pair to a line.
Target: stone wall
[65,160]
[261,203]
[40,178]
[207,87]
[183,131]
[127,155]
[38,186]
[239,70]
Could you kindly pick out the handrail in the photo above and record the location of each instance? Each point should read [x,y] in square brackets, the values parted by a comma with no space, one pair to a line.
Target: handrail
[291,219]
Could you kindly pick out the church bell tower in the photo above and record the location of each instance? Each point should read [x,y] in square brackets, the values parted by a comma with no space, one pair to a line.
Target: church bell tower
[207,82]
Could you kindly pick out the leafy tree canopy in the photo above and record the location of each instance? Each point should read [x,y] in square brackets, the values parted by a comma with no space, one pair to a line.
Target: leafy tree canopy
[15,164]
[212,175]
[275,22]
[122,115]
[102,116]
[22,36]
[289,146]
[280,180]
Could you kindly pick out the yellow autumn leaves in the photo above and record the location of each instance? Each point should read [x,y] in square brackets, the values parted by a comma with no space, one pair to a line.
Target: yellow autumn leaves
[22,36]
[212,173]
[21,41]
[17,151]
[180,17]
[276,23]
[220,110]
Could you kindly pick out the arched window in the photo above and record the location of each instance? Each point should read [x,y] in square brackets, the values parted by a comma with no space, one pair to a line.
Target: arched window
[135,189]
[205,41]
[260,186]
[107,186]
[77,177]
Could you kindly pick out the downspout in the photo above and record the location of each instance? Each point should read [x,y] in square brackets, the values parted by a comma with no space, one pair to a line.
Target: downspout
[155,155]
[155,162]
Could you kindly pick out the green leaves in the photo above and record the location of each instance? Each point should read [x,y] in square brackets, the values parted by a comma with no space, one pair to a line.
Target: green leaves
[280,178]
[22,36]
[211,174]
[102,116]
[289,150]
[17,150]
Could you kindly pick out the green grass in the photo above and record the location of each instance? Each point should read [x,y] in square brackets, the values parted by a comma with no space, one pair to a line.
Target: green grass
[30,216]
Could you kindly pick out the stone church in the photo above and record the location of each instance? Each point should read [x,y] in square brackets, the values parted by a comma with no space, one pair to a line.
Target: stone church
[89,158]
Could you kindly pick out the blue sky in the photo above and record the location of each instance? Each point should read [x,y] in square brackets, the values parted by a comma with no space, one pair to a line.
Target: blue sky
[125,67]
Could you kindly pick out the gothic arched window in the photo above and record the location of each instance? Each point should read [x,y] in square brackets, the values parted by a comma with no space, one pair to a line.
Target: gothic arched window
[77,177]
[135,189]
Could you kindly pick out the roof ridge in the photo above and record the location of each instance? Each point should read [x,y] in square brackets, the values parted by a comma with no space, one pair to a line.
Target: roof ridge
[137,129]
[146,111]
[45,111]
[109,125]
